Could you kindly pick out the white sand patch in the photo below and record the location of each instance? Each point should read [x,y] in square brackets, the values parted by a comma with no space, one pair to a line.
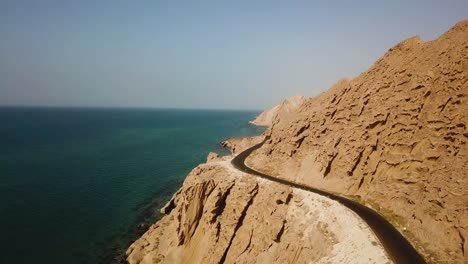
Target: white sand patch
[355,241]
[230,168]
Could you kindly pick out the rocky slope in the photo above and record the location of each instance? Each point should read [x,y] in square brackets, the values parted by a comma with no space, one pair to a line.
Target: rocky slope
[221,215]
[394,138]
[279,111]
[237,145]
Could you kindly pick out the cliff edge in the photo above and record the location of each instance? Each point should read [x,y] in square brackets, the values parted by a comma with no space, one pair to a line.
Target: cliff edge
[222,215]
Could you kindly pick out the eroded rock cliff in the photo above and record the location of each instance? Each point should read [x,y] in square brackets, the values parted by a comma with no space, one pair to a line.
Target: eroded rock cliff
[221,215]
[395,138]
[279,111]
[237,145]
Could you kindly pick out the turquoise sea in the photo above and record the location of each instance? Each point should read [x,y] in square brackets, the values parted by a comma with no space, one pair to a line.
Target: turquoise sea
[75,183]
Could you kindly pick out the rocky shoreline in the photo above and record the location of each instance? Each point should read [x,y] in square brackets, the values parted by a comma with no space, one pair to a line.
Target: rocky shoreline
[394,138]
[221,215]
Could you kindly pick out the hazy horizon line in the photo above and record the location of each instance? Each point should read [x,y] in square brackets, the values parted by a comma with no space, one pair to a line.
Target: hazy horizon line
[129,107]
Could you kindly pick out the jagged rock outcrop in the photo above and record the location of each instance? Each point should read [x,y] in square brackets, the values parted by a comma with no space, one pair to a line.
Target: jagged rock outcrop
[221,215]
[237,145]
[395,138]
[279,111]
[212,156]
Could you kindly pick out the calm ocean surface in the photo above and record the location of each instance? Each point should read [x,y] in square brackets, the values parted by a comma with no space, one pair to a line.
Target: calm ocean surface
[76,182]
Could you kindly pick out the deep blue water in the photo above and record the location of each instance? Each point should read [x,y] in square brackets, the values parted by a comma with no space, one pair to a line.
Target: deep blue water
[76,182]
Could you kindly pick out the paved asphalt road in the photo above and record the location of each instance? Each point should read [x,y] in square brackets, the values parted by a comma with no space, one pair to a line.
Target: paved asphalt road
[397,247]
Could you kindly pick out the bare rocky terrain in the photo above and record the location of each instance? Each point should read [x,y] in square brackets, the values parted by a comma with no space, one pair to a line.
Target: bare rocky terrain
[221,215]
[279,111]
[237,145]
[393,138]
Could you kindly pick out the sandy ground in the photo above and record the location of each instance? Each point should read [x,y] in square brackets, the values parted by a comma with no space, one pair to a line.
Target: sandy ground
[354,241]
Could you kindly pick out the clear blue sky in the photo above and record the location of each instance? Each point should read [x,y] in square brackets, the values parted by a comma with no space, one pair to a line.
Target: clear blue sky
[198,54]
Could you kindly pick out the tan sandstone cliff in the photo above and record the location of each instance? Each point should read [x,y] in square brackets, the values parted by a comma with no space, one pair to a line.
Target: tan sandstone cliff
[395,138]
[237,145]
[279,111]
[221,215]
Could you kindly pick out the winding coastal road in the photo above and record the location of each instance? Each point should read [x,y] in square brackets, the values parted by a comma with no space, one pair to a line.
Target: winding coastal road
[396,246]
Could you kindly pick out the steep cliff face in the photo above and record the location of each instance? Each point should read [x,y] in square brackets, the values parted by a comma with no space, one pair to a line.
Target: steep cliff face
[395,137]
[279,111]
[221,215]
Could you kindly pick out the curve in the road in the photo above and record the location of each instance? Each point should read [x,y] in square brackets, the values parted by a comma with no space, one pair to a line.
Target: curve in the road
[397,247]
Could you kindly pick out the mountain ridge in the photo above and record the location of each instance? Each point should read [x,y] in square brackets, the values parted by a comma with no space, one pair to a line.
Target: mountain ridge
[393,137]
[279,111]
